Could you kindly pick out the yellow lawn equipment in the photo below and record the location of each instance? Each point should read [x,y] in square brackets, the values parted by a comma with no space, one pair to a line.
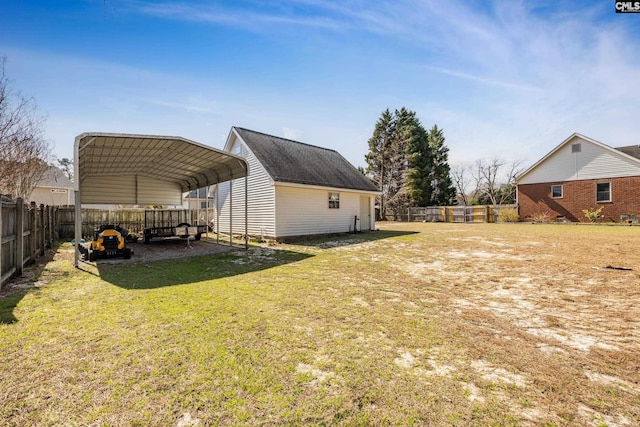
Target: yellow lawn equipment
[109,241]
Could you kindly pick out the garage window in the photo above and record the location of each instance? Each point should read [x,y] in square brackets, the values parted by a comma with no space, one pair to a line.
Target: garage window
[334,200]
[603,192]
[556,192]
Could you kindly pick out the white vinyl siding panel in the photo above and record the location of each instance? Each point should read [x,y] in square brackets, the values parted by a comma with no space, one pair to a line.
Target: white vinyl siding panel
[261,207]
[52,196]
[592,162]
[301,211]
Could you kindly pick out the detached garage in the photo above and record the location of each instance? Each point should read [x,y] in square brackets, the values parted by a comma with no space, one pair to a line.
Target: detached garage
[125,169]
[294,189]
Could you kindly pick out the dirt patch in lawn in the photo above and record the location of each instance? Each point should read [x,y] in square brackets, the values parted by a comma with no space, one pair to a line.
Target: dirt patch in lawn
[545,318]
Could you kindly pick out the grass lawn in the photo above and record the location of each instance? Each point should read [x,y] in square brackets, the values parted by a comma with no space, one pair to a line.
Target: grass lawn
[416,324]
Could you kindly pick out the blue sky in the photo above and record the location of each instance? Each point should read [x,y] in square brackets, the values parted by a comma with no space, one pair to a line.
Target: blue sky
[502,78]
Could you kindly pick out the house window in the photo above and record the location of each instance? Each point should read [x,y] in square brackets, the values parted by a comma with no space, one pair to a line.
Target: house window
[576,148]
[556,191]
[334,200]
[603,192]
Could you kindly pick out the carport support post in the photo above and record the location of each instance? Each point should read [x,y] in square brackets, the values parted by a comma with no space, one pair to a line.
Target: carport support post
[217,224]
[231,212]
[78,226]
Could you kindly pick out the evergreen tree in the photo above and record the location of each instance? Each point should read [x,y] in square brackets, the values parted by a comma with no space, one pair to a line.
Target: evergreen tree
[408,164]
[443,192]
[420,162]
[378,164]
[405,131]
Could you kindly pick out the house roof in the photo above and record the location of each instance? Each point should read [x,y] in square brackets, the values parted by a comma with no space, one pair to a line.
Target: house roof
[632,152]
[291,161]
[55,177]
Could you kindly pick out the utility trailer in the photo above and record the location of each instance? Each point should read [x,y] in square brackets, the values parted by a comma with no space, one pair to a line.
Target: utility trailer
[161,223]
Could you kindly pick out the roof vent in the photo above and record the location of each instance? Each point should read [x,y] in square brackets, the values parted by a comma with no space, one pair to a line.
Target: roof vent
[576,148]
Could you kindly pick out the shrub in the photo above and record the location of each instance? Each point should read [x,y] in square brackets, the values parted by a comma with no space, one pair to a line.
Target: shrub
[541,217]
[592,214]
[508,215]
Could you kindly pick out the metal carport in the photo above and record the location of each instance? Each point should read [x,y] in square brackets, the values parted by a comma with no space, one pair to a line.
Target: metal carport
[113,168]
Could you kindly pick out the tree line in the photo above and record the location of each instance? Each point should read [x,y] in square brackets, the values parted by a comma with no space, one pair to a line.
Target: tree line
[410,166]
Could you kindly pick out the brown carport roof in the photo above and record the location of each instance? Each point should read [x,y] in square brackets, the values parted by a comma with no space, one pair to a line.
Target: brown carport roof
[115,168]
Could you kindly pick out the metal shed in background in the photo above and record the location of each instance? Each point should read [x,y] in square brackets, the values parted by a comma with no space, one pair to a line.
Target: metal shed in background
[128,169]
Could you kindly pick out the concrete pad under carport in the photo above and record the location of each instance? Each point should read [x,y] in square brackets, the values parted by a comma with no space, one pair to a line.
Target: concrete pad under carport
[171,249]
[126,169]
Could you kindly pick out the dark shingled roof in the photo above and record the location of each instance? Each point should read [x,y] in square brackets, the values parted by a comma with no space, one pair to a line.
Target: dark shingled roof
[632,150]
[291,161]
[55,177]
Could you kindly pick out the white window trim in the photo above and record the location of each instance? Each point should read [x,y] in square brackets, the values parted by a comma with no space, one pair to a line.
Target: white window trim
[610,193]
[561,196]
[335,200]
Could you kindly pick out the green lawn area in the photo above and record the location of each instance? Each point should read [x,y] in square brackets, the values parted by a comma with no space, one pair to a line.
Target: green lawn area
[415,324]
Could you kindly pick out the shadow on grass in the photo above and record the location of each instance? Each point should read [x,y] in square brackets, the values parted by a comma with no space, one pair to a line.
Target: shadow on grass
[345,239]
[171,272]
[17,288]
[180,271]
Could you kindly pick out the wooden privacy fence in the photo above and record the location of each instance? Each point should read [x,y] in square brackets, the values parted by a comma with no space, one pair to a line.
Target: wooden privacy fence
[25,232]
[479,213]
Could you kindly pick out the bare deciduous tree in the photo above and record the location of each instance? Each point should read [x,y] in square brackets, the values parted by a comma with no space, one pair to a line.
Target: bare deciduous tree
[486,181]
[23,149]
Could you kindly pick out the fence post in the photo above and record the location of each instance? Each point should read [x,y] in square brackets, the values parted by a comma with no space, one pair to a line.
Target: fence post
[409,218]
[56,224]
[50,221]
[19,236]
[41,232]
[32,228]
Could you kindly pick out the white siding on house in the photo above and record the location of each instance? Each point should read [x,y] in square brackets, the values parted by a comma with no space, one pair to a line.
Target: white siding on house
[52,196]
[304,211]
[592,162]
[261,207]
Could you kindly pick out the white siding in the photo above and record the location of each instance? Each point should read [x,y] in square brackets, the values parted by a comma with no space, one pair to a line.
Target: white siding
[302,211]
[592,162]
[52,196]
[261,207]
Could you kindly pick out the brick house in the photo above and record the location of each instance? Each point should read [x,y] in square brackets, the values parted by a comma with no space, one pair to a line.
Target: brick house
[582,173]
